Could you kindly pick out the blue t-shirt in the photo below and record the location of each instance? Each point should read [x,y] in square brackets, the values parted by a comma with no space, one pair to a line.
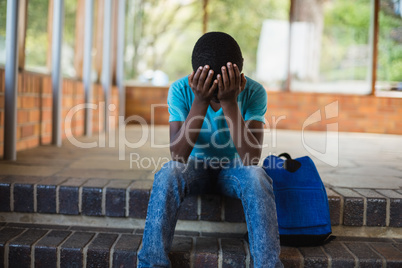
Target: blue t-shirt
[214,140]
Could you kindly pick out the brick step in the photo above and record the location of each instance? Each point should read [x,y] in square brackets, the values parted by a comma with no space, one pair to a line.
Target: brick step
[129,199]
[28,245]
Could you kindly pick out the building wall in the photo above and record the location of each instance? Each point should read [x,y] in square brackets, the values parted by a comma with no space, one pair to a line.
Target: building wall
[34,109]
[290,110]
[148,101]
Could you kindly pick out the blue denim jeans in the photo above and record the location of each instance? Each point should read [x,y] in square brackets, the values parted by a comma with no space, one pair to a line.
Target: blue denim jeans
[176,180]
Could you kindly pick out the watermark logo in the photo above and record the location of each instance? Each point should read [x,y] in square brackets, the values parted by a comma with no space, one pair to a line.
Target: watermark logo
[147,135]
[330,155]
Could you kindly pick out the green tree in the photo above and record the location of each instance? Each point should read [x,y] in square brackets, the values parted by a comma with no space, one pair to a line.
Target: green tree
[347,23]
[3,17]
[157,33]
[390,43]
[346,30]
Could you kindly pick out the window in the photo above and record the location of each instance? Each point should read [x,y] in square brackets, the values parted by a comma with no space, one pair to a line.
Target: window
[160,35]
[389,61]
[330,46]
[325,46]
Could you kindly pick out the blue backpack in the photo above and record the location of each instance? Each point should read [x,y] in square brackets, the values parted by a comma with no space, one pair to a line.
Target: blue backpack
[301,201]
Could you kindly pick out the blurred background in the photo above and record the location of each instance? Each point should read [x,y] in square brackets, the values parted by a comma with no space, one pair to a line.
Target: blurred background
[298,45]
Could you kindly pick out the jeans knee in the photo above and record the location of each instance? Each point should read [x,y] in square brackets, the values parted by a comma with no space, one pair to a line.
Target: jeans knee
[254,179]
[170,174]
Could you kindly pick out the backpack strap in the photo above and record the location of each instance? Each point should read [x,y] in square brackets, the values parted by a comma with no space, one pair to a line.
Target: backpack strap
[286,155]
[290,164]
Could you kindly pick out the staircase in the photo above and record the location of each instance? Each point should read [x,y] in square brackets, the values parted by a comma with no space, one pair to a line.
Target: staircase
[81,222]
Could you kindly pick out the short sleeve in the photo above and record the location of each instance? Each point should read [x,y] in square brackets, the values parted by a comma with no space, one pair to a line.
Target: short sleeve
[176,101]
[256,105]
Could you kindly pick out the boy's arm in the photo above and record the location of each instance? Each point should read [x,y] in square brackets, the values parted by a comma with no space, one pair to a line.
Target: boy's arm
[247,136]
[183,135]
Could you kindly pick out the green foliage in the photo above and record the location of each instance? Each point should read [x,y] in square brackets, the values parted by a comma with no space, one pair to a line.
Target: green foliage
[3,17]
[347,24]
[160,35]
[70,14]
[70,11]
[389,46]
[349,15]
[345,40]
[36,42]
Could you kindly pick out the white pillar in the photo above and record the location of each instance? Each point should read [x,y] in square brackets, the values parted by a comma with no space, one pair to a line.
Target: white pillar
[120,57]
[11,81]
[106,62]
[89,6]
[57,35]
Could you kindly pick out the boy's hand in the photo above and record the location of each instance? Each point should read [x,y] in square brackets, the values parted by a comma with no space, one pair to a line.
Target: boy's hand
[231,83]
[200,83]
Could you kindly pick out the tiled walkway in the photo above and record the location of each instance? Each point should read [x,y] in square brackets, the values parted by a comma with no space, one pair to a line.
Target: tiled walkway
[356,160]
[97,247]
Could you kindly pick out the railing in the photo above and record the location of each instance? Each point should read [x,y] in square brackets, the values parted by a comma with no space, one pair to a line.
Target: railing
[34,109]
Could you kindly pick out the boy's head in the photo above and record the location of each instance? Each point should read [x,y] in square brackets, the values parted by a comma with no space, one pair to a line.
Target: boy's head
[216,49]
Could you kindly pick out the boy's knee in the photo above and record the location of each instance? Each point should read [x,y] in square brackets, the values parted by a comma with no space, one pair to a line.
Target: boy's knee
[254,176]
[170,172]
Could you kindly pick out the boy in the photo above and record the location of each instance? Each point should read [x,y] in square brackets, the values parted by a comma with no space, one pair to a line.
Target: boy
[216,136]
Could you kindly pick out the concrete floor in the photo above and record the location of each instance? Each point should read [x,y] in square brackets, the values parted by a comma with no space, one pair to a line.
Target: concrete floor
[357,160]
